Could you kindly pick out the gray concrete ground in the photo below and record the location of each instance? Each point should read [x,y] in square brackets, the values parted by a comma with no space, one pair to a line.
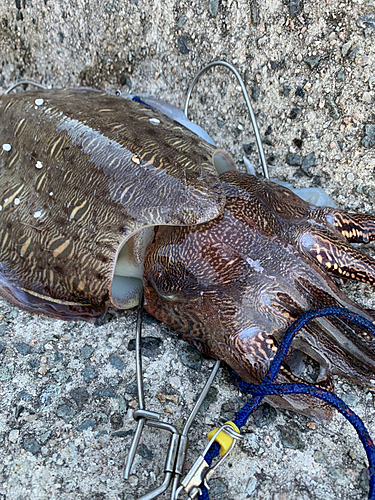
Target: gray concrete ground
[67,389]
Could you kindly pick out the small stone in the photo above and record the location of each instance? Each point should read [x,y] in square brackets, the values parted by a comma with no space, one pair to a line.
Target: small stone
[340,76]
[33,363]
[366,21]
[300,92]
[294,160]
[86,351]
[368,32]
[122,405]
[2,329]
[116,421]
[350,177]
[352,54]
[229,409]
[295,7]
[312,62]
[220,122]
[367,97]
[175,382]
[367,191]
[86,425]
[65,412]
[23,348]
[45,436]
[117,363]
[145,452]
[123,434]
[308,162]
[150,346]
[61,376]
[319,457]
[255,91]
[269,130]
[5,374]
[24,395]
[210,398]
[267,141]
[295,112]
[213,6]
[133,480]
[125,80]
[2,345]
[49,394]
[350,399]
[286,90]
[182,44]
[371,84]
[12,314]
[191,357]
[13,436]
[346,47]
[336,472]
[181,21]
[237,132]
[58,357]
[333,109]
[255,14]
[31,446]
[251,486]
[89,374]
[369,139]
[290,438]
[252,444]
[311,425]
[264,415]
[248,148]
[113,382]
[104,392]
[217,487]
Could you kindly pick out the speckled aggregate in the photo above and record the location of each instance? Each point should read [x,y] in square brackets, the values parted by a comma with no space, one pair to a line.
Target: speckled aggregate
[67,389]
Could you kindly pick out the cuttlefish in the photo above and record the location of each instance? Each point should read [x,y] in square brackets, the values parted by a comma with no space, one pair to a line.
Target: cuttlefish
[100,196]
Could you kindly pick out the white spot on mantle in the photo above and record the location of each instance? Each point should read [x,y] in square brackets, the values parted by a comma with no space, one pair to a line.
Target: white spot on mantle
[154,121]
[255,264]
[17,201]
[39,102]
[37,214]
[7,147]
[39,164]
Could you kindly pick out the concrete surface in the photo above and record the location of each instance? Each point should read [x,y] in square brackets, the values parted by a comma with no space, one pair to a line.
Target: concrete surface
[311,68]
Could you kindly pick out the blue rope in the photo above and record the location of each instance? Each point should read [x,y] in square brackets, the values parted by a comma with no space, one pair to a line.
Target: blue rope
[268,388]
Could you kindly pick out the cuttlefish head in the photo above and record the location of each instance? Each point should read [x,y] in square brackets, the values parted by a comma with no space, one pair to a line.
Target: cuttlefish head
[231,288]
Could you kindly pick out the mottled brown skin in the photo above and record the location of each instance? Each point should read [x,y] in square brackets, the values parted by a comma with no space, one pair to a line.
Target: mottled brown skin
[232,286]
[85,170]
[233,262]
